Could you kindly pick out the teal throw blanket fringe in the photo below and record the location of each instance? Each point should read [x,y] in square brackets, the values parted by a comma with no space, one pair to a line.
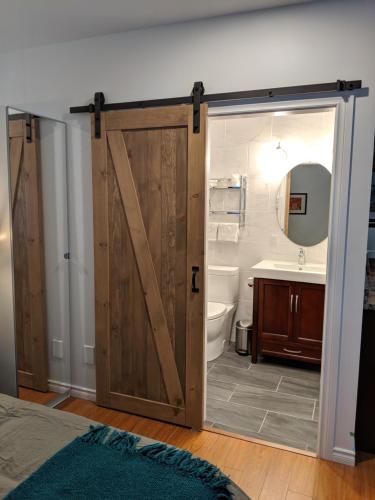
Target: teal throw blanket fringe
[108,464]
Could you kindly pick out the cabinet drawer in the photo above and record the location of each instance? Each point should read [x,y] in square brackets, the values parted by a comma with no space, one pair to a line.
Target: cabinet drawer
[291,351]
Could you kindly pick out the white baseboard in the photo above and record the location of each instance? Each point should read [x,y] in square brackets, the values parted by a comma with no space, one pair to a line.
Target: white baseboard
[59,387]
[83,393]
[343,456]
[76,391]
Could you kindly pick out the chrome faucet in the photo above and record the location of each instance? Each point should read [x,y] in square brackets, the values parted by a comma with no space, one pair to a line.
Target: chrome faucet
[301,257]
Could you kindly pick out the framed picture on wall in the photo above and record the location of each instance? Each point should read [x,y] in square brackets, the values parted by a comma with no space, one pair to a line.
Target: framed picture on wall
[297,203]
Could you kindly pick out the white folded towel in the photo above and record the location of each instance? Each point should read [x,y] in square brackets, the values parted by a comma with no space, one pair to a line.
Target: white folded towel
[212,231]
[228,231]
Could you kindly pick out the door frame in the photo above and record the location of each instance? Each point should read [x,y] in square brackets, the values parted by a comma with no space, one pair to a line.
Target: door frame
[337,289]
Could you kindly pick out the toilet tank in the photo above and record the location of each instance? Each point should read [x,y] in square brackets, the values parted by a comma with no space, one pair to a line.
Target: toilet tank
[223,284]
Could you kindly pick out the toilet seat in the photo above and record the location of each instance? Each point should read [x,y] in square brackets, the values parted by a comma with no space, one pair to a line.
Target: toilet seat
[215,310]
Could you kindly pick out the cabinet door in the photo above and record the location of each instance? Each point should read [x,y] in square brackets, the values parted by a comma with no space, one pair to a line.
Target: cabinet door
[275,310]
[309,314]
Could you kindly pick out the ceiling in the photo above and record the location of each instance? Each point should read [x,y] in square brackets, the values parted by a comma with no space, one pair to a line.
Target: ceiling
[28,23]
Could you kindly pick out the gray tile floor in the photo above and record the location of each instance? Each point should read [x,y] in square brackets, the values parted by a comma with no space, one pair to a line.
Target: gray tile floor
[272,400]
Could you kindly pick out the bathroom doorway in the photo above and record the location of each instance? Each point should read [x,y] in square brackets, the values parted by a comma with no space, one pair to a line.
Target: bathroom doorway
[269,185]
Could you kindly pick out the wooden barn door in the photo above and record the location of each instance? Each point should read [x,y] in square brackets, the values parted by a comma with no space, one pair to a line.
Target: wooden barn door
[148,189]
[28,256]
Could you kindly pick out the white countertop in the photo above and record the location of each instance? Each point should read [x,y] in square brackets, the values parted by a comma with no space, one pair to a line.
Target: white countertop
[290,271]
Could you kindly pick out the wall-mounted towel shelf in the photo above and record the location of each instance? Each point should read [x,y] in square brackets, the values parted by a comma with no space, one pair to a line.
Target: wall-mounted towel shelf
[239,200]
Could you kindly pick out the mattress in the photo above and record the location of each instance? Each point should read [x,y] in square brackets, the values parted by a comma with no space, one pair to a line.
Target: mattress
[31,433]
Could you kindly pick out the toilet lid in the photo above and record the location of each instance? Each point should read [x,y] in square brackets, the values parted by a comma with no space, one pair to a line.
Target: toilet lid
[215,310]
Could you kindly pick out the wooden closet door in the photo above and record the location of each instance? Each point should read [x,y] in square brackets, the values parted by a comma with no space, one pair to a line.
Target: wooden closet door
[149,208]
[28,256]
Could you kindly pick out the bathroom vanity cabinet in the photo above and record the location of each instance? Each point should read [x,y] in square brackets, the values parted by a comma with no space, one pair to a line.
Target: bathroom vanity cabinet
[288,320]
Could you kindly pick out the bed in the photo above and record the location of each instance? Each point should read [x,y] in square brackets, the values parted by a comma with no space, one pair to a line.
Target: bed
[31,433]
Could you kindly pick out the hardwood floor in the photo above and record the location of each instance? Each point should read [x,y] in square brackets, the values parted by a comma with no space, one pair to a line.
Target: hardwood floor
[264,473]
[36,396]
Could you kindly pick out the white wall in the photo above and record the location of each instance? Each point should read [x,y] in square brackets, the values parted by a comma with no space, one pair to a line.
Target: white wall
[318,42]
[246,145]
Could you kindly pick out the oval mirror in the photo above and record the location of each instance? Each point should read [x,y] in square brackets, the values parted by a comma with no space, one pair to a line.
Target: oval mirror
[303,204]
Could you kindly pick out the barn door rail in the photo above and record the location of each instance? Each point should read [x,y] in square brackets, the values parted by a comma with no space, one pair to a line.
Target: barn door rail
[198,96]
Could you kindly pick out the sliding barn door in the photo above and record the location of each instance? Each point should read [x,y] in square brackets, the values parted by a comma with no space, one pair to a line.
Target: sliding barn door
[148,189]
[28,256]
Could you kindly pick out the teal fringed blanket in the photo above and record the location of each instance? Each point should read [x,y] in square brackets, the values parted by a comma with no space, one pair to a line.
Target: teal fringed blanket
[107,464]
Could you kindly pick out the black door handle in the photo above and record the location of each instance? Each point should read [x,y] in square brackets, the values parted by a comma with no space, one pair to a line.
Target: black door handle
[194,271]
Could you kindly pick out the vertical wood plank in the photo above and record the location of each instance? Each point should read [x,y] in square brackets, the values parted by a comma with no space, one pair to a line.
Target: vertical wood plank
[195,257]
[145,267]
[181,278]
[168,153]
[21,275]
[275,485]
[16,147]
[136,324]
[303,476]
[155,384]
[21,281]
[101,256]
[35,259]
[119,281]
[168,230]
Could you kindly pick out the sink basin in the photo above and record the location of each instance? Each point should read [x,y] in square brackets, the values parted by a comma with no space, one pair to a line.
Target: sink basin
[290,271]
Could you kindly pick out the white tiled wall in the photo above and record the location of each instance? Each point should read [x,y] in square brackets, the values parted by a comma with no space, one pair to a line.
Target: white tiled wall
[246,145]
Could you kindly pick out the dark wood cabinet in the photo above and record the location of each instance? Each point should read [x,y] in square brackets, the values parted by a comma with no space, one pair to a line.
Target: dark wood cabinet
[288,320]
[275,318]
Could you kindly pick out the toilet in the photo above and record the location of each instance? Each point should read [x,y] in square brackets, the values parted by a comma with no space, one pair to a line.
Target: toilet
[222,296]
